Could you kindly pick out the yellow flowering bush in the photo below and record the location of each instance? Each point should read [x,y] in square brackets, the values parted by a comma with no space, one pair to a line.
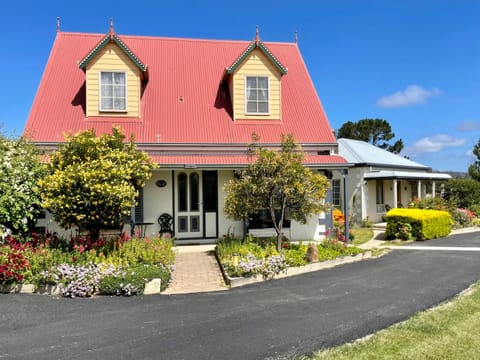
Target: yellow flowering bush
[93,181]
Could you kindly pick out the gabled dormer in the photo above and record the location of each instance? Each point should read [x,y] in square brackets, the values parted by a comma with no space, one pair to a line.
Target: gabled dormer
[254,82]
[114,78]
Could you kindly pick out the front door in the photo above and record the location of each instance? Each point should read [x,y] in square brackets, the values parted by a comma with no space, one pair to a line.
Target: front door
[188,205]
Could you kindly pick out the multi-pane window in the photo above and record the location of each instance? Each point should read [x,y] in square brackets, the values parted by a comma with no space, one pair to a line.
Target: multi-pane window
[379,192]
[256,95]
[113,91]
[336,192]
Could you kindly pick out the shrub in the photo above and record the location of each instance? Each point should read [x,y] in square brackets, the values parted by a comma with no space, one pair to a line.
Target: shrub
[74,280]
[13,263]
[425,224]
[462,218]
[331,249]
[131,281]
[142,251]
[462,193]
[432,203]
[295,257]
[339,226]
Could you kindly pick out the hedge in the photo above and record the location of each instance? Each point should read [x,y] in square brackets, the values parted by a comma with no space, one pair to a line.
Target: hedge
[426,224]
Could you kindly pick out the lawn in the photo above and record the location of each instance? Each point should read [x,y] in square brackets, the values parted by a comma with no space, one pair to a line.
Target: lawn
[361,235]
[448,331]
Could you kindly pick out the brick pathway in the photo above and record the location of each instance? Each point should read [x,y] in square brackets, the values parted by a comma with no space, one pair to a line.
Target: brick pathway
[196,270]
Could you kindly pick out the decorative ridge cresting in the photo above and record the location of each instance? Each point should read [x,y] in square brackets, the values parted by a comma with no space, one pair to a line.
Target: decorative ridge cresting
[111,36]
[256,44]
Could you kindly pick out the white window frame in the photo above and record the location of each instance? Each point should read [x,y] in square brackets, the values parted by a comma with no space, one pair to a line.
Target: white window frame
[101,109]
[268,96]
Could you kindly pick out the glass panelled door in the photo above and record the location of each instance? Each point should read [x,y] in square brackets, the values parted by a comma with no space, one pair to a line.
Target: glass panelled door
[188,205]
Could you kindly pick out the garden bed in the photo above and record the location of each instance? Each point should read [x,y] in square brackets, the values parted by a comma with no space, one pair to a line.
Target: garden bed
[297,270]
[251,260]
[82,267]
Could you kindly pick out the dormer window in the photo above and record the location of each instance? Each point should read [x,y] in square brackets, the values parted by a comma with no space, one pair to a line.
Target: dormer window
[257,95]
[113,91]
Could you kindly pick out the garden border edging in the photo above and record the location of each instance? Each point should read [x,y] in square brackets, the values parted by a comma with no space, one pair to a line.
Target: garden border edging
[152,287]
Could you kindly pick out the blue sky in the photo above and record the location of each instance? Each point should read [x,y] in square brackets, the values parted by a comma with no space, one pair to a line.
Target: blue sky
[414,63]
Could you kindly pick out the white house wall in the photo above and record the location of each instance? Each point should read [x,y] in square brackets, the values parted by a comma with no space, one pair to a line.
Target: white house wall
[225,224]
[157,200]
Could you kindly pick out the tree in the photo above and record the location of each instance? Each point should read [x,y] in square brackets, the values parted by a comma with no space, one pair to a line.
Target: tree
[374,131]
[20,171]
[93,181]
[474,169]
[462,193]
[276,180]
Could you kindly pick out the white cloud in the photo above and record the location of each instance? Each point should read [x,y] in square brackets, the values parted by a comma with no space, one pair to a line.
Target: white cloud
[469,125]
[432,144]
[412,95]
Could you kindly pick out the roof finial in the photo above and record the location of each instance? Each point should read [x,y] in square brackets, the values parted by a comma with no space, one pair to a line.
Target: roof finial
[58,23]
[111,27]
[257,37]
[296,36]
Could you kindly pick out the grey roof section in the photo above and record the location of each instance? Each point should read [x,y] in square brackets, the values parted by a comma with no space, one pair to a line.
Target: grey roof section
[361,152]
[385,174]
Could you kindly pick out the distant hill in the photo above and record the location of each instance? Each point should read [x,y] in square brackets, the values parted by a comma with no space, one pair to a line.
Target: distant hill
[456,174]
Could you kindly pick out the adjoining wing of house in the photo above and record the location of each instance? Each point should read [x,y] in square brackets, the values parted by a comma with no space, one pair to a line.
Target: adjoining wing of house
[193,105]
[380,180]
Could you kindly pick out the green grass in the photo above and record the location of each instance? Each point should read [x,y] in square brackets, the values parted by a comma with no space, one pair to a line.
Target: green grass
[362,235]
[448,331]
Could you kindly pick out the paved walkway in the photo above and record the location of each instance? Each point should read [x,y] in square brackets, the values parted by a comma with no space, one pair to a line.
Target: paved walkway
[196,270]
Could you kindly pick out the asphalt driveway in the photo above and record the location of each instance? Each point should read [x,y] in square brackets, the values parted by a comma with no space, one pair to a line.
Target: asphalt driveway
[275,320]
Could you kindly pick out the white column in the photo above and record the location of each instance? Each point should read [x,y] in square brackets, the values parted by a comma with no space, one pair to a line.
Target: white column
[433,188]
[395,195]
[419,189]
[363,194]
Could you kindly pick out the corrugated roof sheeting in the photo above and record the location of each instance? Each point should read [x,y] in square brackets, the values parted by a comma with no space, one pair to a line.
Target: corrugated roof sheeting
[183,101]
[235,160]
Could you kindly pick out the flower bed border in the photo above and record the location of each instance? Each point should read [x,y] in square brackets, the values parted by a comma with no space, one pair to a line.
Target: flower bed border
[292,271]
[152,287]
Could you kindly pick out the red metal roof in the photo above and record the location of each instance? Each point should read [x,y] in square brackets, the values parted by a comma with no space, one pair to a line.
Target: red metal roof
[183,101]
[226,160]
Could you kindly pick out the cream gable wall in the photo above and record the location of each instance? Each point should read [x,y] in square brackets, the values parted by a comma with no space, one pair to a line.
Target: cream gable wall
[256,64]
[112,58]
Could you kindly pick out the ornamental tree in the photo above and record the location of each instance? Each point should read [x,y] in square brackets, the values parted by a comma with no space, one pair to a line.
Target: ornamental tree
[93,181]
[20,171]
[276,180]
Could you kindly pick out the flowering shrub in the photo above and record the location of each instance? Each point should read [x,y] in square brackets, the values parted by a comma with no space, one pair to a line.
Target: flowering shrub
[250,265]
[12,267]
[13,264]
[339,227]
[20,171]
[274,265]
[74,280]
[268,267]
[131,281]
[330,249]
[462,218]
